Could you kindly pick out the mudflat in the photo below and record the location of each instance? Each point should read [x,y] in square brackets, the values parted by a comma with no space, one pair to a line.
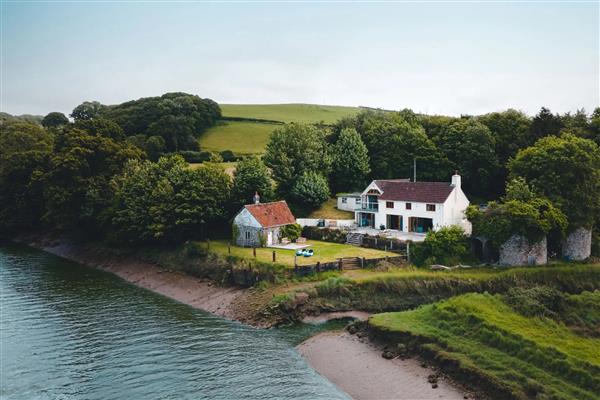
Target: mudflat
[357,368]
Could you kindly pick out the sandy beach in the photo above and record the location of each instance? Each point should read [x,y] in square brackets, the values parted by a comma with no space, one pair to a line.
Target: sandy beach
[357,368]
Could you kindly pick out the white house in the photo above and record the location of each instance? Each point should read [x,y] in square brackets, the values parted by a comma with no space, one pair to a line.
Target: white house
[405,206]
[348,201]
[259,224]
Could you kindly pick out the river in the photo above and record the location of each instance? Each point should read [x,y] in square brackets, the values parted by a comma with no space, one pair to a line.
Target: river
[72,332]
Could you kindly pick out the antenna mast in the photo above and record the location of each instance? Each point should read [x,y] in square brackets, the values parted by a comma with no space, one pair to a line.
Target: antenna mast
[414,169]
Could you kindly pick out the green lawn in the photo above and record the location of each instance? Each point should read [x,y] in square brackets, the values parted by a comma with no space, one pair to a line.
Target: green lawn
[520,354]
[238,136]
[329,211]
[324,252]
[289,112]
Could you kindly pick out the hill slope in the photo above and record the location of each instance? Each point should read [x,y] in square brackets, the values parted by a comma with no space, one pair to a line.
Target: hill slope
[250,137]
[288,112]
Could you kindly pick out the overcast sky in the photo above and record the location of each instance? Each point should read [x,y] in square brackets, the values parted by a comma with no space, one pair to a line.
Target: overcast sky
[440,58]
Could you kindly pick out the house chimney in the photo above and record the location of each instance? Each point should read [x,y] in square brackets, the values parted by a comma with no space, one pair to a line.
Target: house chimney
[256,198]
[456,179]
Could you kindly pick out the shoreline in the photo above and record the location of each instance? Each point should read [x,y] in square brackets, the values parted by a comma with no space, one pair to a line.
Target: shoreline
[356,367]
[338,356]
[202,294]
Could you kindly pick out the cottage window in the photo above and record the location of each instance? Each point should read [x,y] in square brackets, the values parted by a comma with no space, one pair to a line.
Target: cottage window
[430,207]
[247,235]
[409,206]
[344,200]
[389,204]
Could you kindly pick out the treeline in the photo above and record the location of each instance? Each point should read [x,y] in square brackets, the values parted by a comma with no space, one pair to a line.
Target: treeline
[550,163]
[86,178]
[165,124]
[103,173]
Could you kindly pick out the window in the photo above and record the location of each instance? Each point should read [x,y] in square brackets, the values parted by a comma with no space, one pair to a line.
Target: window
[247,235]
[389,204]
[430,207]
[409,206]
[344,200]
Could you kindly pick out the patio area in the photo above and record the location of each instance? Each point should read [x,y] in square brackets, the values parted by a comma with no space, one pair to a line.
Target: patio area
[289,246]
[391,234]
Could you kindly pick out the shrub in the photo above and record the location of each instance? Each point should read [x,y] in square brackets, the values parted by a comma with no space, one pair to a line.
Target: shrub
[196,156]
[292,231]
[447,245]
[310,190]
[228,156]
[195,250]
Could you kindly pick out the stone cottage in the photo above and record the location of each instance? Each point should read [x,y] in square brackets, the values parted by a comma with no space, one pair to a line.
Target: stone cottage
[261,220]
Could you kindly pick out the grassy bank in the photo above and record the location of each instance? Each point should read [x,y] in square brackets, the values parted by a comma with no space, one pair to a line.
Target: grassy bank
[407,288]
[482,339]
[329,210]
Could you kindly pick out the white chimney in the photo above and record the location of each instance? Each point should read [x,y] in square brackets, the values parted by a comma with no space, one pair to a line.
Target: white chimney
[456,179]
[256,198]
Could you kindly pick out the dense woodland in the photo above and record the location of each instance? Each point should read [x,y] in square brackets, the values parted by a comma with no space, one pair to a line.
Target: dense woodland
[117,171]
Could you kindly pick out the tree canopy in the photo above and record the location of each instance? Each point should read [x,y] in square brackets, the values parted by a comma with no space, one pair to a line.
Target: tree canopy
[167,200]
[293,150]
[251,176]
[54,120]
[350,162]
[25,151]
[566,170]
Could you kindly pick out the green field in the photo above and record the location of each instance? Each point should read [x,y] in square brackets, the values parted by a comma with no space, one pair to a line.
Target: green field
[289,112]
[324,252]
[238,136]
[484,340]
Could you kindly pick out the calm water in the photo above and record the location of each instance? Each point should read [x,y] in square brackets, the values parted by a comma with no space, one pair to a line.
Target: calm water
[70,332]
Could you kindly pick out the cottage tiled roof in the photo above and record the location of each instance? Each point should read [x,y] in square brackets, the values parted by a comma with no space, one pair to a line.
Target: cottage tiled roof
[272,214]
[421,192]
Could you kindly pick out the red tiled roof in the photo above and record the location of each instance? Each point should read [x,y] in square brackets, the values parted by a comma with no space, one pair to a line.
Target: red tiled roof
[272,214]
[422,192]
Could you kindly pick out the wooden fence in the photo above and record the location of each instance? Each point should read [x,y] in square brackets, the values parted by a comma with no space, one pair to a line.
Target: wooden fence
[346,264]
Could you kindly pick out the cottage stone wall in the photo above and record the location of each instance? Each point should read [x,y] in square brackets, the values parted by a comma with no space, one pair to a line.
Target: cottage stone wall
[248,236]
[578,244]
[518,251]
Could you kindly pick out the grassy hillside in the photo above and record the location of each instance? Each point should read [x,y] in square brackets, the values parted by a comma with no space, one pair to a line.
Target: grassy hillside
[241,137]
[288,112]
[484,340]
[251,137]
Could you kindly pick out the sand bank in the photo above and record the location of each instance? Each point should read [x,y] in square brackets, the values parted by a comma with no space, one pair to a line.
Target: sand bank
[357,368]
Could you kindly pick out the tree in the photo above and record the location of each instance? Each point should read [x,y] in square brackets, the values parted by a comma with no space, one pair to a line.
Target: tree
[87,110]
[76,185]
[545,124]
[393,141]
[350,162]
[25,151]
[577,124]
[311,190]
[565,169]
[250,176]
[54,120]
[101,127]
[293,150]
[518,189]
[166,200]
[469,146]
[532,220]
[510,130]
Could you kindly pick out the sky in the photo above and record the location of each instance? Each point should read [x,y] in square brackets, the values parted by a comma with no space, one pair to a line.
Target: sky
[432,57]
